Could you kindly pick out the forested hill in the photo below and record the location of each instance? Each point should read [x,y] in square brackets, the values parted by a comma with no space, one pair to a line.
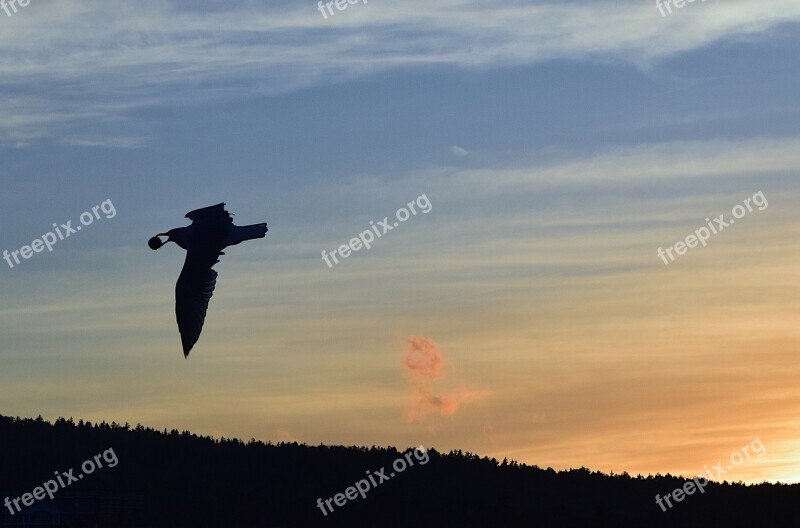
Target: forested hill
[121,476]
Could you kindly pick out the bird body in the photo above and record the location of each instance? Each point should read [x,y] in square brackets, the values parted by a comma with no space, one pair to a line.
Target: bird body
[211,231]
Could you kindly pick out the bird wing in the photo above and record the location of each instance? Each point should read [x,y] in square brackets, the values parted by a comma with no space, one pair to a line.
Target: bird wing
[213,215]
[192,293]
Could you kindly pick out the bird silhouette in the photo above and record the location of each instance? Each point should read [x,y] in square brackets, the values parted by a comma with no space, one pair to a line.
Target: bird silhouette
[210,232]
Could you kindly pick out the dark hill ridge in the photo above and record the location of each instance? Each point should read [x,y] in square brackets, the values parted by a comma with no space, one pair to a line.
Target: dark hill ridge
[180,479]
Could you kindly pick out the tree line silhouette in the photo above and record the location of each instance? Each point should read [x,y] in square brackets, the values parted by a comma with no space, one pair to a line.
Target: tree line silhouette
[179,479]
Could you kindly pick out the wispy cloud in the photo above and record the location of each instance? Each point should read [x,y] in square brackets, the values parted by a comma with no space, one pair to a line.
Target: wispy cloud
[285,436]
[118,142]
[458,151]
[125,55]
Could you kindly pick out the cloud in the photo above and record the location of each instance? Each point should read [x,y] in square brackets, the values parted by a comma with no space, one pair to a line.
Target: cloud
[458,151]
[118,56]
[110,142]
[423,358]
[428,403]
[285,436]
[424,364]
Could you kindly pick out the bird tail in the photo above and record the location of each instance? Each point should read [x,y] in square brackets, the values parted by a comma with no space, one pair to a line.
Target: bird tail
[237,234]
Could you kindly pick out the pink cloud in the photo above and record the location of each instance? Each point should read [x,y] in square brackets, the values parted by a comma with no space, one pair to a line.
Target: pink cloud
[285,436]
[424,363]
[423,357]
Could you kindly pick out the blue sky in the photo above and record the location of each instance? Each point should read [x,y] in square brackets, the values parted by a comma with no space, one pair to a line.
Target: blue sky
[560,144]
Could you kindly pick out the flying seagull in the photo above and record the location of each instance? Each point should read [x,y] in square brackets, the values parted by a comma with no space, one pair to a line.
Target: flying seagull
[211,231]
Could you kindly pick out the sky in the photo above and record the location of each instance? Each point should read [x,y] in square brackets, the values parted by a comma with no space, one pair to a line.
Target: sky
[527,314]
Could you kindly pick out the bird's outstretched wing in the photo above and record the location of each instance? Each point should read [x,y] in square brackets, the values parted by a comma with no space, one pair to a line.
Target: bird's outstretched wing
[192,293]
[214,215]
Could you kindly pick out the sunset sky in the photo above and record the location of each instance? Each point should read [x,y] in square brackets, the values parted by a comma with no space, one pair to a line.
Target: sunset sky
[527,315]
